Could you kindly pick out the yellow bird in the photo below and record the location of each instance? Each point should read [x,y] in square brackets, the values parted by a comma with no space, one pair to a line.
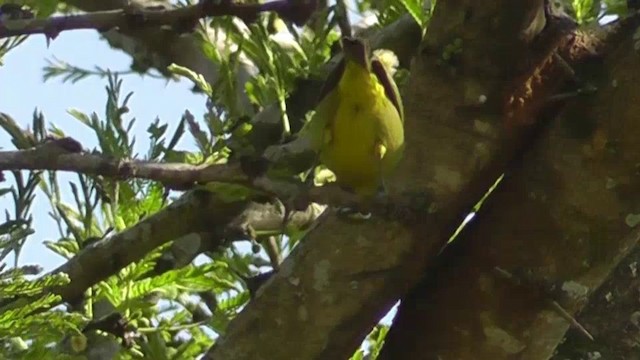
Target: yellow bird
[358,127]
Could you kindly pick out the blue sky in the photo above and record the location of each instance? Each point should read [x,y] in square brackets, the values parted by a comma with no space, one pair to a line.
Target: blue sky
[23,90]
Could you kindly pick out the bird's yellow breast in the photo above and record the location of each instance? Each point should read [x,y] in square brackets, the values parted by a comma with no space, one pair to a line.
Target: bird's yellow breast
[361,124]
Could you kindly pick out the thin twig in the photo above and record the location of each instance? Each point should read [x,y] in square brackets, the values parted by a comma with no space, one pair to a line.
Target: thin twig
[550,301]
[567,316]
[271,247]
[66,154]
[55,157]
[183,18]
[342,17]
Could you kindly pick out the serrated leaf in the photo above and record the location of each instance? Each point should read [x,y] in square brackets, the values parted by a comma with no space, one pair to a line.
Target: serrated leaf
[66,248]
[414,8]
[82,117]
[197,79]
[172,283]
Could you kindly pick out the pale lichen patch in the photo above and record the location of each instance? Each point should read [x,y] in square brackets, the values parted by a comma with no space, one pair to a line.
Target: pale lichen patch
[481,155]
[321,275]
[433,208]
[611,183]
[498,337]
[482,127]
[635,319]
[594,355]
[450,178]
[632,220]
[485,283]
[609,297]
[303,314]
[503,340]
[633,267]
[575,290]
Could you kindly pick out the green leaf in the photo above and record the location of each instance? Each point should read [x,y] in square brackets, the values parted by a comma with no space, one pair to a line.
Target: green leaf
[586,10]
[156,348]
[44,8]
[359,355]
[19,286]
[66,248]
[177,135]
[191,278]
[197,79]
[414,8]
[82,117]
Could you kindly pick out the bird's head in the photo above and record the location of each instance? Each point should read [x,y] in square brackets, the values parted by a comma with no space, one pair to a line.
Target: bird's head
[355,50]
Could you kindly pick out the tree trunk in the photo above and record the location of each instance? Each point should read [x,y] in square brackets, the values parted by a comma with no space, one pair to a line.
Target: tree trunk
[561,221]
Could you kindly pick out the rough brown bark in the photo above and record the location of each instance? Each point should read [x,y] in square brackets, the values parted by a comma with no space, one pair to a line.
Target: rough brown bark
[451,156]
[612,317]
[562,220]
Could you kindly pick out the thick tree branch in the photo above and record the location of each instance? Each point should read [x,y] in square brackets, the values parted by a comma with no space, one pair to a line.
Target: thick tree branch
[612,315]
[191,216]
[562,220]
[183,18]
[52,156]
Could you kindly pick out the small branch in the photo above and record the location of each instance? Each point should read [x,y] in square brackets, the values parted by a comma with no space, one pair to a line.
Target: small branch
[342,16]
[567,316]
[65,155]
[548,299]
[183,18]
[271,247]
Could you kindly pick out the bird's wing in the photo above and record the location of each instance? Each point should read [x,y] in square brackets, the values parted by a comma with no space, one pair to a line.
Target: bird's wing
[390,87]
[390,133]
[318,129]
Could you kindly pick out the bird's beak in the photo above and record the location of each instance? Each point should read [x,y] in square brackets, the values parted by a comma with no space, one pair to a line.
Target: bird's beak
[355,50]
